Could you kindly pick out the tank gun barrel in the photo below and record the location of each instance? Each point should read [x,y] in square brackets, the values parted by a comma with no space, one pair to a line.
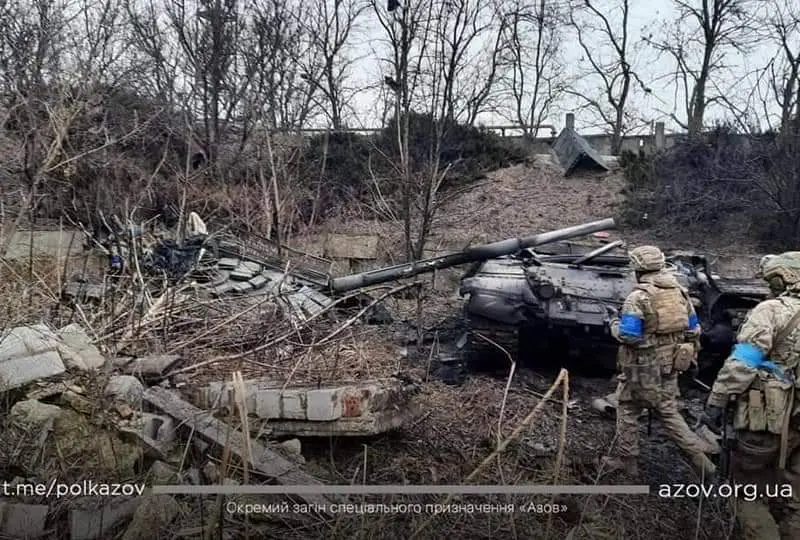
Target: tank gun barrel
[468,255]
[597,252]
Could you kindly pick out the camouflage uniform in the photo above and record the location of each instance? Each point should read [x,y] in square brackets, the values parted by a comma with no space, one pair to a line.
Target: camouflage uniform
[659,332]
[764,390]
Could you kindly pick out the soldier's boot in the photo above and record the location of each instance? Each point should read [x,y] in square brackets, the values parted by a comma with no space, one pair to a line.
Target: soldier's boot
[627,464]
[704,467]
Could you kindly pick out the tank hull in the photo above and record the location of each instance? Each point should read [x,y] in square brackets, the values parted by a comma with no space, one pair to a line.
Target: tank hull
[542,306]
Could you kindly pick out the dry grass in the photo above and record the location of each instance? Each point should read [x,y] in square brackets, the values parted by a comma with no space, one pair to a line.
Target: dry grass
[480,432]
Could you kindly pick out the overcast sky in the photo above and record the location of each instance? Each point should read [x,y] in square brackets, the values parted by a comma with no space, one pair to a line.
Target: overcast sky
[647,17]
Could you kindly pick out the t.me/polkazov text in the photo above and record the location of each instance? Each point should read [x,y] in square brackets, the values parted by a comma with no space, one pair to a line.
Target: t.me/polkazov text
[85,488]
[747,492]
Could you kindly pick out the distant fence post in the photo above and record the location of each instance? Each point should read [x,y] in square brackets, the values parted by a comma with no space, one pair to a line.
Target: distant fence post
[570,121]
[661,140]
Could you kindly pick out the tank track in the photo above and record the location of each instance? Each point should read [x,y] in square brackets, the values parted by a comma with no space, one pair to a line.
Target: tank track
[479,350]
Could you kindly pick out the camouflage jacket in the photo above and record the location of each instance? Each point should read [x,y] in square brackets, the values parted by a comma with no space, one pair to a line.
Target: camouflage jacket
[657,300]
[756,354]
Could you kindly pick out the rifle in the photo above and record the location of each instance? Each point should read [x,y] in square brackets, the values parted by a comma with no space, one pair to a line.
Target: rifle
[729,440]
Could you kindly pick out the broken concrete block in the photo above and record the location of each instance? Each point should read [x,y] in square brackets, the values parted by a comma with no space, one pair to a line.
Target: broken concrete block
[125,388]
[95,523]
[293,406]
[223,288]
[153,514]
[241,274]
[251,266]
[154,365]
[292,446]
[220,394]
[158,427]
[268,404]
[77,402]
[228,263]
[323,405]
[77,349]
[153,434]
[23,520]
[29,353]
[258,281]
[243,287]
[34,412]
[162,473]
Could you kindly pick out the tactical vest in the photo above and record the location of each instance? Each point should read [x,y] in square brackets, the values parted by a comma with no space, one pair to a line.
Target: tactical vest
[770,405]
[670,309]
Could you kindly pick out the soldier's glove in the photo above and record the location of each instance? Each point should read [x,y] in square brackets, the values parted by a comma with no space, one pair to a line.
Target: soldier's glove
[611,314]
[712,418]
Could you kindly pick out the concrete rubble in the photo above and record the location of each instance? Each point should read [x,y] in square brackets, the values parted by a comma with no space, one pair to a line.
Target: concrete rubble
[120,413]
[356,409]
[32,353]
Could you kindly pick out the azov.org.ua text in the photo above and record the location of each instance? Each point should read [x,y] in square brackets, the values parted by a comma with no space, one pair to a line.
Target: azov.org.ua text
[747,492]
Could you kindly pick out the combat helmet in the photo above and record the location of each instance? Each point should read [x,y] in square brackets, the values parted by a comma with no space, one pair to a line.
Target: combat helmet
[785,266]
[647,259]
[762,264]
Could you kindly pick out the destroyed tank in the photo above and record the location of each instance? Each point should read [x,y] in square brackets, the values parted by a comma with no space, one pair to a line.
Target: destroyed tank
[553,303]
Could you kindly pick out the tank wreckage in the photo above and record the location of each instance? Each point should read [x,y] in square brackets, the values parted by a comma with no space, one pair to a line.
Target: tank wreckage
[527,298]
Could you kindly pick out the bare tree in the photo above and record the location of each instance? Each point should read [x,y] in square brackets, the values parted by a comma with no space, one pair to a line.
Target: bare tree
[99,42]
[465,67]
[208,32]
[533,76]
[153,51]
[699,40]
[781,26]
[30,45]
[604,39]
[330,28]
[408,28]
[279,53]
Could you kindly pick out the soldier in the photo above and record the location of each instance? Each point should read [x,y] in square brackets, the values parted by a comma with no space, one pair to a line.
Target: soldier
[758,382]
[659,332]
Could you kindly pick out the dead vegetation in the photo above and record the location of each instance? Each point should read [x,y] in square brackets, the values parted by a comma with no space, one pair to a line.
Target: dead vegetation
[745,186]
[487,431]
[125,145]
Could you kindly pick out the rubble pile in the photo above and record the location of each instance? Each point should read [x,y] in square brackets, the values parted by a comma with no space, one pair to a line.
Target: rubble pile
[192,361]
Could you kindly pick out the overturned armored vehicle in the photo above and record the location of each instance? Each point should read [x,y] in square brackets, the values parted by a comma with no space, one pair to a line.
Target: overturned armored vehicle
[553,302]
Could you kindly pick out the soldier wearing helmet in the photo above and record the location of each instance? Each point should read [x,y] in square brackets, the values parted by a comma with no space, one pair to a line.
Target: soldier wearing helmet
[757,384]
[658,331]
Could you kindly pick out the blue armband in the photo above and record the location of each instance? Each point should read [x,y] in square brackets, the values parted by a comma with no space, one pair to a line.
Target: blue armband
[630,325]
[751,356]
[694,322]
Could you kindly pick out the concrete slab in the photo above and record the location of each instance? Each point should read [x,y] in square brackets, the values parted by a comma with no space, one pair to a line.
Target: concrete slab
[351,246]
[45,243]
[228,263]
[78,352]
[29,353]
[323,405]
